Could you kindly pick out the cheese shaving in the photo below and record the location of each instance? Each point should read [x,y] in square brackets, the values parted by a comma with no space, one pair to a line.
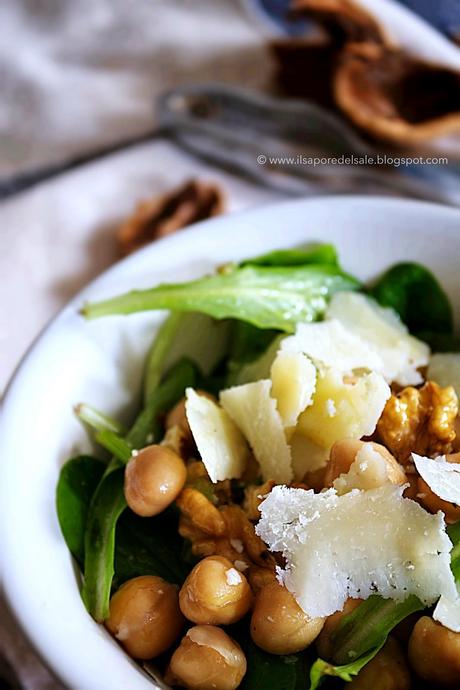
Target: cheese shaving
[329,344]
[222,447]
[447,612]
[367,471]
[293,384]
[442,477]
[254,411]
[356,545]
[384,333]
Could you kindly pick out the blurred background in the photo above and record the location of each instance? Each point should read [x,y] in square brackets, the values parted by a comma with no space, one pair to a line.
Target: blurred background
[122,122]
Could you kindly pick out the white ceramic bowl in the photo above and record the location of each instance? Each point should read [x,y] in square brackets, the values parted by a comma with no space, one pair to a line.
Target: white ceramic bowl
[100,362]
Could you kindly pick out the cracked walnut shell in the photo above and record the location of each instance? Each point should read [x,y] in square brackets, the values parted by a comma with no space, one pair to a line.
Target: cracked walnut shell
[163,215]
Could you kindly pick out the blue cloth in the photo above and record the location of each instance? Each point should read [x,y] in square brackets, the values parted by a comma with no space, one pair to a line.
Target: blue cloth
[443,14]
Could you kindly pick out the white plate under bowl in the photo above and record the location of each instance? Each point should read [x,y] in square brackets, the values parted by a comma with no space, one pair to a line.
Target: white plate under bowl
[100,362]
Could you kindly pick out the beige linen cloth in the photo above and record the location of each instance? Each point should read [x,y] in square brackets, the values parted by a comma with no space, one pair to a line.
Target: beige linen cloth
[75,76]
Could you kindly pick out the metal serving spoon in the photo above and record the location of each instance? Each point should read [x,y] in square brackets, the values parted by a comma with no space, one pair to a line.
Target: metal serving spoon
[242,131]
[237,129]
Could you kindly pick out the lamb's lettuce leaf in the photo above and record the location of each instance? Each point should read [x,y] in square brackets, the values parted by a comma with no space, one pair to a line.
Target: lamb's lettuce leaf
[108,501]
[360,636]
[143,546]
[416,295]
[77,483]
[198,337]
[270,672]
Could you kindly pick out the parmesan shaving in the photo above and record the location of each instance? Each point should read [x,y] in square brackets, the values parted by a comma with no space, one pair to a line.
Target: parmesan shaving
[442,477]
[357,408]
[447,612]
[293,384]
[356,545]
[369,470]
[254,411]
[221,445]
[329,344]
[384,333]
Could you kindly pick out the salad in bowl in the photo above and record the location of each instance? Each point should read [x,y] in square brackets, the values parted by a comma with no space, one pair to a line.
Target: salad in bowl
[284,511]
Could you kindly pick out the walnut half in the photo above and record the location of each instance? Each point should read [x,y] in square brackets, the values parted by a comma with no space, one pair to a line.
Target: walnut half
[419,420]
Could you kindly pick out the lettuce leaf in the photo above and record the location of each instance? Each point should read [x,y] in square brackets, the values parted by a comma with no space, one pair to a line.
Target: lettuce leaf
[265,296]
[361,635]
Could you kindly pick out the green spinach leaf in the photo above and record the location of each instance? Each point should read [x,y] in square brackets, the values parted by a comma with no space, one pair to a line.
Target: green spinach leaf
[77,483]
[440,342]
[240,372]
[265,296]
[414,292]
[149,546]
[270,672]
[298,256]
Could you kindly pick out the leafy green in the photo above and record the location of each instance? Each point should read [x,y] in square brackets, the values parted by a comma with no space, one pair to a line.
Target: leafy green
[248,342]
[267,671]
[258,368]
[440,342]
[272,672]
[360,635]
[108,501]
[119,448]
[454,533]
[97,420]
[182,375]
[413,291]
[161,345]
[299,256]
[106,506]
[143,546]
[265,296]
[149,546]
[77,482]
[322,669]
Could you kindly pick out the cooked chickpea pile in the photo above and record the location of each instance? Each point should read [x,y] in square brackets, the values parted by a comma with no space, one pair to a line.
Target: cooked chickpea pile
[235,576]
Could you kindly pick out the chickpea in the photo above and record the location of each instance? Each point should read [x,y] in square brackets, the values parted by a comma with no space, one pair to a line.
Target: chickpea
[145,616]
[434,653]
[278,624]
[215,593]
[343,453]
[429,499]
[153,479]
[403,630]
[324,642]
[386,671]
[207,659]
